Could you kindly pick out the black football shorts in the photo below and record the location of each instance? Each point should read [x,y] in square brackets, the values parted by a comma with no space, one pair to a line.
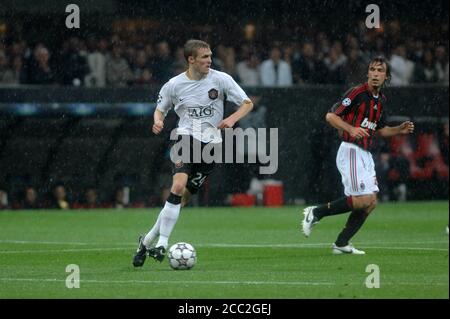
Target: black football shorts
[197,172]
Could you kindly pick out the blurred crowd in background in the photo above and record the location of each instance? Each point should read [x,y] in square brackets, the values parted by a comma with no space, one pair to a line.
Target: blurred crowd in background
[310,57]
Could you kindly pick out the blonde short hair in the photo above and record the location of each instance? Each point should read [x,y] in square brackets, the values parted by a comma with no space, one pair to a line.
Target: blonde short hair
[191,47]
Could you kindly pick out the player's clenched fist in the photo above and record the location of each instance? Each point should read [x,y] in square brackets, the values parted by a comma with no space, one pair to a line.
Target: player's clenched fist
[157,127]
[407,127]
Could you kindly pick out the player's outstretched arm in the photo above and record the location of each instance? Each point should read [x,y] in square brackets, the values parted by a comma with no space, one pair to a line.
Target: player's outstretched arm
[336,121]
[406,127]
[158,125]
[243,110]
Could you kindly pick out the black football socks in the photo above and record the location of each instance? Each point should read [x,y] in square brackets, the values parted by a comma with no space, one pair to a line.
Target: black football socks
[354,223]
[336,207]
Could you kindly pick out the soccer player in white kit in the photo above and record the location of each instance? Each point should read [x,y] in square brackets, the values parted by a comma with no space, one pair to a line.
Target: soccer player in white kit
[358,117]
[197,96]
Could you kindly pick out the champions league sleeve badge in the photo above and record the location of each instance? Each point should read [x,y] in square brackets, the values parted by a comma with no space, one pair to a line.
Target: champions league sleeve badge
[346,102]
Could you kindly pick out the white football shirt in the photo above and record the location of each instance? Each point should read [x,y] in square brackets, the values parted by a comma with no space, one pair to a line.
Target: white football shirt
[199,103]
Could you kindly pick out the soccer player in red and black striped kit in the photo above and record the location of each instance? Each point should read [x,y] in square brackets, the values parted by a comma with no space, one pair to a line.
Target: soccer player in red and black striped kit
[359,116]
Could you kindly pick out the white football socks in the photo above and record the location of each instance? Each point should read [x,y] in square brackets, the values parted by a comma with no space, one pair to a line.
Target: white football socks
[153,233]
[168,218]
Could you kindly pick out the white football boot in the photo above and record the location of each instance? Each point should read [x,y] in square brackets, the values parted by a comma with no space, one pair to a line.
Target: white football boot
[309,220]
[349,249]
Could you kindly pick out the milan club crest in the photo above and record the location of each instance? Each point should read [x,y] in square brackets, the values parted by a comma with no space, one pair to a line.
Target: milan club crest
[213,94]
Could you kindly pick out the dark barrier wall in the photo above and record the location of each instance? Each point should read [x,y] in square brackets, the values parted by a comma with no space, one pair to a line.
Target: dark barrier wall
[415,100]
[307,145]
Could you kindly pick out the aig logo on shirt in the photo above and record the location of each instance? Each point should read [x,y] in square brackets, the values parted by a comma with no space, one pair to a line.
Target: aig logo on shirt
[201,111]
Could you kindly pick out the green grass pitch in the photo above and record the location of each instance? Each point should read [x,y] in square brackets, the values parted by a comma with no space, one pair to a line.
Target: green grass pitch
[242,253]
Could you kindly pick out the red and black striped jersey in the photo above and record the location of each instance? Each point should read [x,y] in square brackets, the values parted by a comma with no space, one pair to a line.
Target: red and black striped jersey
[359,108]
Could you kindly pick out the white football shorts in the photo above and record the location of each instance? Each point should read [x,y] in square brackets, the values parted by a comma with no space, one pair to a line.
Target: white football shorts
[357,170]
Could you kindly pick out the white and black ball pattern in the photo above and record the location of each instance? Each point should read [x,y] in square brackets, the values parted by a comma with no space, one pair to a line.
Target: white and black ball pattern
[182,256]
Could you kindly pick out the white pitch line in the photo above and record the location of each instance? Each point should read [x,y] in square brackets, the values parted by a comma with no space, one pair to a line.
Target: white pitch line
[407,248]
[317,245]
[218,282]
[40,251]
[320,245]
[184,282]
[42,242]
[219,244]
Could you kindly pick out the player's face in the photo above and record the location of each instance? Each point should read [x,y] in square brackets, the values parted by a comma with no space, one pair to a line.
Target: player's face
[377,74]
[202,62]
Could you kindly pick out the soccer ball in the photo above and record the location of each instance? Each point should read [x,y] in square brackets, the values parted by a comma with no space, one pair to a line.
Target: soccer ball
[182,256]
